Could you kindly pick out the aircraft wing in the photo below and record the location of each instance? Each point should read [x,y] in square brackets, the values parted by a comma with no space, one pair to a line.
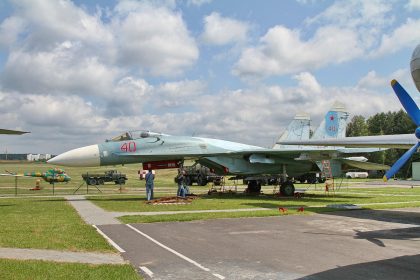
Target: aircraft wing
[399,141]
[365,165]
[15,132]
[262,151]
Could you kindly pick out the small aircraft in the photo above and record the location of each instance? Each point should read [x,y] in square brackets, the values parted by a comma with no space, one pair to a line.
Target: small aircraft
[54,175]
[157,150]
[401,141]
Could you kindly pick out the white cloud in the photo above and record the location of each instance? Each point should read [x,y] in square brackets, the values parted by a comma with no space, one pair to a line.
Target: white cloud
[129,96]
[220,30]
[181,93]
[405,36]
[58,70]
[51,22]
[154,39]
[198,2]
[9,31]
[345,31]
[282,51]
[374,81]
[307,82]
[355,14]
[413,5]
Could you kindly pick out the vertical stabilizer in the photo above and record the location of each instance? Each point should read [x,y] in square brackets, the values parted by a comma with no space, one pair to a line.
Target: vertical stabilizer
[334,123]
[298,129]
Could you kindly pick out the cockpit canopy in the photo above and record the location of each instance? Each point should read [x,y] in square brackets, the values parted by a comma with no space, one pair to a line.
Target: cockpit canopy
[135,134]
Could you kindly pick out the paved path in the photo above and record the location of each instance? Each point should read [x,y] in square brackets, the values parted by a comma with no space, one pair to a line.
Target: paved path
[60,256]
[360,244]
[90,213]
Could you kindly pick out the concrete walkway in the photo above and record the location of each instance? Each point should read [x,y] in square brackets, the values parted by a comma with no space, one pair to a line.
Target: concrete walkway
[60,256]
[90,213]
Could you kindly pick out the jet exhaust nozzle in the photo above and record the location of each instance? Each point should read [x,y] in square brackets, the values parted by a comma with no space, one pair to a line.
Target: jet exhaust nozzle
[415,66]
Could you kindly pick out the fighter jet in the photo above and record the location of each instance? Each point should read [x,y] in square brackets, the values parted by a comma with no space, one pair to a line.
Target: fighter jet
[157,150]
[402,141]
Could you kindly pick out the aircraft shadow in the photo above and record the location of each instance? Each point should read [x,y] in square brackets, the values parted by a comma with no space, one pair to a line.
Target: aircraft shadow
[391,216]
[375,236]
[405,267]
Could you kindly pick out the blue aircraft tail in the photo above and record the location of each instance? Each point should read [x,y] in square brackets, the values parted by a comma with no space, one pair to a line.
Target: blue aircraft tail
[334,123]
[298,129]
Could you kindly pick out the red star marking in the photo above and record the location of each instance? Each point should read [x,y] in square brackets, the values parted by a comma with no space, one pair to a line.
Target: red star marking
[332,117]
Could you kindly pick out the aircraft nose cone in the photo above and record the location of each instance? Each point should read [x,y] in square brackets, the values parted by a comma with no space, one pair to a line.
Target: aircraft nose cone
[85,156]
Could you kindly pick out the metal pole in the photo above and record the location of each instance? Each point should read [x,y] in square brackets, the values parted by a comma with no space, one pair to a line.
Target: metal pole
[16,185]
[53,182]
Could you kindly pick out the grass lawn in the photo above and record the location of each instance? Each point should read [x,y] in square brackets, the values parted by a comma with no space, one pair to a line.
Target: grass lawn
[42,270]
[207,216]
[46,223]
[164,179]
[314,201]
[236,201]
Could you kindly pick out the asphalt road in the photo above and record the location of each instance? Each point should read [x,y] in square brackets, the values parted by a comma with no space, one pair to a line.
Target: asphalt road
[358,244]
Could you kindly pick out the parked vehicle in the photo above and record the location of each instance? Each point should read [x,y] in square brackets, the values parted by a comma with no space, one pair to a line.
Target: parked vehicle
[107,176]
[200,175]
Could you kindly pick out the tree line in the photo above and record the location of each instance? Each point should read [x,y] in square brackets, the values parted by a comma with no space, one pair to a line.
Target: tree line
[384,124]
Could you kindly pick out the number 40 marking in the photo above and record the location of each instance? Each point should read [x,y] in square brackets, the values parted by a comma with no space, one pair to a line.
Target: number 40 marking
[128,147]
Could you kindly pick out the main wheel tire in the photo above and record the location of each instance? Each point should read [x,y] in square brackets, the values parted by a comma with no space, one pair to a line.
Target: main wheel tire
[100,181]
[254,187]
[201,181]
[287,189]
[92,181]
[311,180]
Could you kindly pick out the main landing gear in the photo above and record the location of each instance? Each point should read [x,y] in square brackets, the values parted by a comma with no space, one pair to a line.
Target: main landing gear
[254,187]
[287,188]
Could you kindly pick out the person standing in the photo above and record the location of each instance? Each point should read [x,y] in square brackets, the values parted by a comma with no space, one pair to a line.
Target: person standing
[149,184]
[181,183]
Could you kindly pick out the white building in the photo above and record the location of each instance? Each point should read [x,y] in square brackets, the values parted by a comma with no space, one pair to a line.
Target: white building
[38,157]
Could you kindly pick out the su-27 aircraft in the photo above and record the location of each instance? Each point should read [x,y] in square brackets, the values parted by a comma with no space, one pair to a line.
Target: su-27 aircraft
[401,141]
[55,175]
[157,150]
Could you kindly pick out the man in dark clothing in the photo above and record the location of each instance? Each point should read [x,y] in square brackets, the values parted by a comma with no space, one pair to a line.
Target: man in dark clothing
[149,184]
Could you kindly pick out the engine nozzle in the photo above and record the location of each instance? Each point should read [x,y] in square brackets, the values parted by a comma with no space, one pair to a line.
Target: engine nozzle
[415,66]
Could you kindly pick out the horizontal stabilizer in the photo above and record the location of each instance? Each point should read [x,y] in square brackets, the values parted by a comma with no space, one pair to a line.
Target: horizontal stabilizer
[365,165]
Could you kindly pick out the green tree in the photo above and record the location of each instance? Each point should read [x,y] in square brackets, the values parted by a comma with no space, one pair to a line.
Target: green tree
[376,124]
[390,123]
[402,123]
[357,127]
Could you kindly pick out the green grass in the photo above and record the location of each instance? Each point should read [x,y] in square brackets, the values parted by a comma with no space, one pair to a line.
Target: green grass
[229,201]
[42,270]
[164,179]
[314,201]
[45,223]
[206,216]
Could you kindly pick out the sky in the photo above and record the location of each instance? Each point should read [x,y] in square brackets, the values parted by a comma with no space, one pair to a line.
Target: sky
[75,73]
